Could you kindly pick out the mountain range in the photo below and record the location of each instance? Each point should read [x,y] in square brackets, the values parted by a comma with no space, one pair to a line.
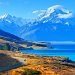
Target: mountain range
[53,24]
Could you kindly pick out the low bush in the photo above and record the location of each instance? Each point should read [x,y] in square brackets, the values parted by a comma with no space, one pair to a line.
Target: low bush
[31,72]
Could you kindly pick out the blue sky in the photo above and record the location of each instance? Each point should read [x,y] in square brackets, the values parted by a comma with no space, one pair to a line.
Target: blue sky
[24,8]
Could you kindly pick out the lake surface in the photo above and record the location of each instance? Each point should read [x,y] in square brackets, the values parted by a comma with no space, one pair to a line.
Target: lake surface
[64,50]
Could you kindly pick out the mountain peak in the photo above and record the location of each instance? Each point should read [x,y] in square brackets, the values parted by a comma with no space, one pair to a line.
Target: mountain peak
[4,16]
[56,11]
[56,7]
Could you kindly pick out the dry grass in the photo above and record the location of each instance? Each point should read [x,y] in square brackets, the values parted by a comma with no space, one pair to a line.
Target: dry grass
[46,65]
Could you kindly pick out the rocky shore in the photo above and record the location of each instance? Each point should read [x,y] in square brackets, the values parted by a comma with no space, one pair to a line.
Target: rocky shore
[46,65]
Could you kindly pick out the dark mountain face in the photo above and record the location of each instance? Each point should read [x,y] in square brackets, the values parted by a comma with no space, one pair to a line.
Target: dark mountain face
[54,24]
[8,36]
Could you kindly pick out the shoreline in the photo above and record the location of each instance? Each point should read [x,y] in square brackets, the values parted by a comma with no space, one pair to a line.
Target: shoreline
[58,54]
[45,64]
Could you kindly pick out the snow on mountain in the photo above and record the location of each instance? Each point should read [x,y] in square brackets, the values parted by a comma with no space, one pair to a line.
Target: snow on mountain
[3,16]
[12,24]
[54,14]
[69,15]
[17,20]
[7,24]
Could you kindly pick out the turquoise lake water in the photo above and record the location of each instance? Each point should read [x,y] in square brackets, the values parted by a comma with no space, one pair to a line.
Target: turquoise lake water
[64,50]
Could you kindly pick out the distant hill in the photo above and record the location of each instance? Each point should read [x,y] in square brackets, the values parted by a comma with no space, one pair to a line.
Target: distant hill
[11,42]
[9,35]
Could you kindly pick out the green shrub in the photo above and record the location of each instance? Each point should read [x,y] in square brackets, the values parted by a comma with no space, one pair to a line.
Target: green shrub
[31,72]
[1,47]
[6,46]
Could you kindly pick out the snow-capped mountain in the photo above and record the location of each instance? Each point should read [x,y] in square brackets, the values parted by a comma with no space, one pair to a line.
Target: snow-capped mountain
[55,14]
[56,11]
[12,24]
[17,20]
[53,24]
[8,25]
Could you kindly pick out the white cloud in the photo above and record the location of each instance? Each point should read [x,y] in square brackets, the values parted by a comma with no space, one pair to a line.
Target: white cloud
[36,11]
[39,12]
[69,15]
